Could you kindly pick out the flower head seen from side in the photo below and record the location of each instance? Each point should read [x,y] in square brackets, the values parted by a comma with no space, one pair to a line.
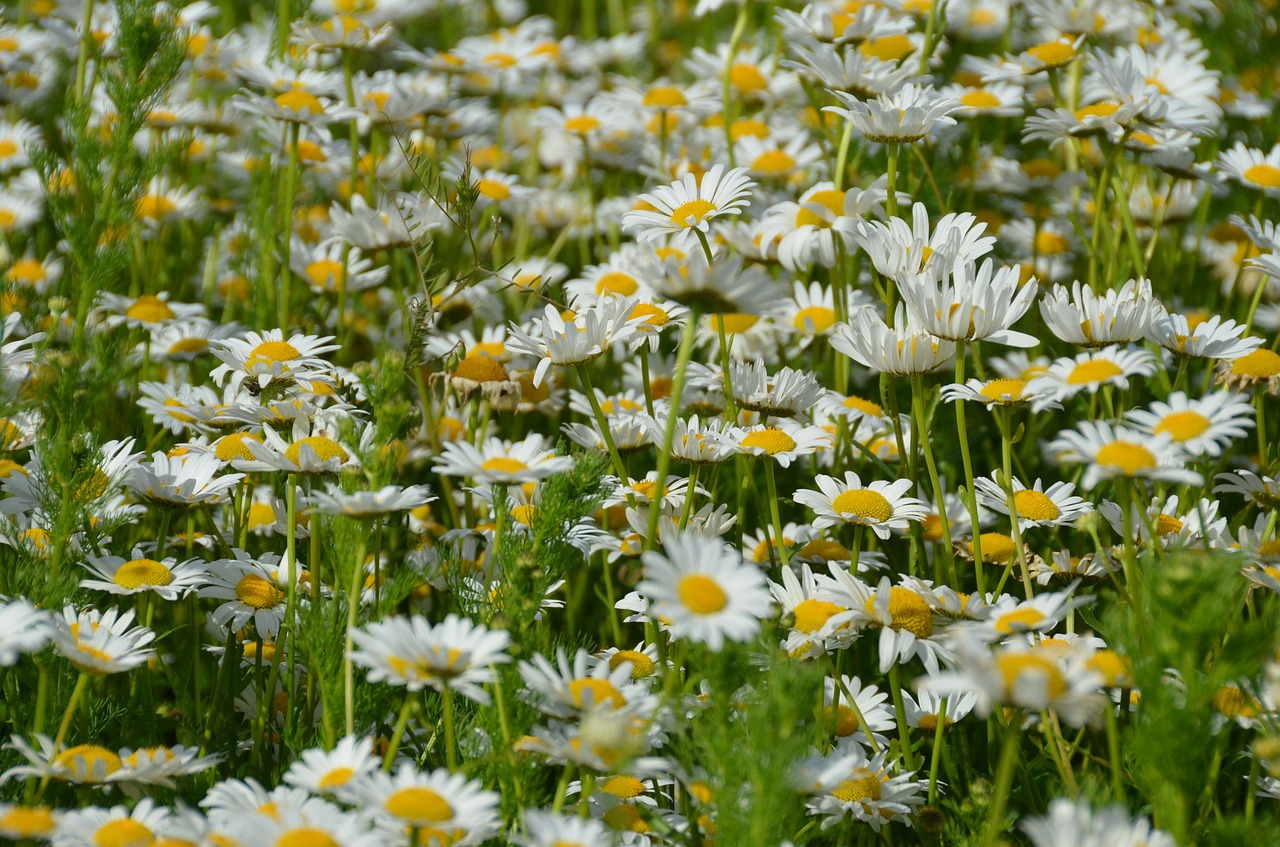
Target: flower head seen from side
[900,350]
[439,807]
[705,589]
[1075,822]
[1202,427]
[1035,506]
[167,579]
[369,505]
[565,343]
[1088,318]
[24,629]
[187,481]
[499,462]
[974,303]
[102,643]
[900,118]
[728,286]
[880,505]
[413,653]
[264,358]
[690,204]
[1117,452]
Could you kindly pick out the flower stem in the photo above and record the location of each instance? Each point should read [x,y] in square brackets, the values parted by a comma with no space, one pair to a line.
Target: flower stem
[772,488]
[353,604]
[971,495]
[921,437]
[1004,781]
[603,422]
[81,684]
[673,413]
[450,737]
[410,699]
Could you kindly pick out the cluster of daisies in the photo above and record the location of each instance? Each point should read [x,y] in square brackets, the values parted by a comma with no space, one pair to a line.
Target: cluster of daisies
[483,389]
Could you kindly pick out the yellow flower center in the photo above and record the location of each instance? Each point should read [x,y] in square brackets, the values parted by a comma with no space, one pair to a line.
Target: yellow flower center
[734,323]
[1019,620]
[504,464]
[814,319]
[1232,702]
[812,614]
[26,271]
[418,805]
[1015,666]
[581,124]
[864,786]
[256,593]
[92,756]
[1053,54]
[1260,364]
[273,351]
[844,719]
[693,209]
[149,309]
[31,822]
[864,503]
[1264,175]
[188,345]
[1035,505]
[998,389]
[701,594]
[140,572]
[867,408]
[1050,243]
[653,315]
[772,441]
[824,550]
[890,48]
[625,787]
[601,692]
[1127,456]
[980,99]
[1093,370]
[481,368]
[831,198]
[1183,426]
[297,100]
[336,778]
[326,274]
[664,97]
[154,207]
[997,548]
[232,447]
[907,610]
[123,832]
[626,817]
[494,189]
[773,162]
[1097,110]
[325,448]
[8,147]
[1113,667]
[305,836]
[747,77]
[641,665]
[1167,524]
[616,282]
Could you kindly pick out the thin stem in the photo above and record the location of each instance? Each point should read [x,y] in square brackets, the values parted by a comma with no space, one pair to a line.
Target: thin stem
[673,413]
[353,603]
[450,739]
[81,684]
[1004,781]
[410,700]
[917,405]
[772,488]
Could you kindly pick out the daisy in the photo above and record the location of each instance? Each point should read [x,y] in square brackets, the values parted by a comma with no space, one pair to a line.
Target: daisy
[1110,366]
[695,441]
[307,455]
[1213,338]
[1035,506]
[927,709]
[690,204]
[817,627]
[1040,57]
[1263,490]
[802,232]
[1261,367]
[786,394]
[313,820]
[1252,168]
[252,591]
[186,339]
[1002,392]
[117,825]
[906,625]
[367,505]
[1204,427]
[1021,676]
[848,70]
[975,304]
[295,106]
[264,358]
[330,772]
[900,350]
[880,505]
[845,722]
[102,643]
[437,807]
[1074,822]
[1009,616]
[1064,569]
[167,578]
[455,654]
[145,310]
[34,823]
[704,589]
[1116,452]
[905,251]
[867,788]
[903,117]
[501,462]
[1087,318]
[182,482]
[556,341]
[588,685]
[24,629]
[783,442]
[548,829]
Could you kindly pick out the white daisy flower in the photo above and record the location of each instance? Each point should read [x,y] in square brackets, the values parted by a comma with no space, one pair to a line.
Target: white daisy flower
[565,343]
[975,303]
[1110,366]
[23,629]
[500,462]
[333,771]
[880,505]
[1087,318]
[869,789]
[1252,168]
[1203,427]
[690,203]
[907,115]
[102,643]
[413,653]
[429,803]
[1002,392]
[1035,506]
[1213,338]
[572,690]
[264,358]
[786,394]
[365,504]
[783,441]
[1074,822]
[1116,452]
[900,350]
[903,251]
[138,575]
[818,626]
[705,589]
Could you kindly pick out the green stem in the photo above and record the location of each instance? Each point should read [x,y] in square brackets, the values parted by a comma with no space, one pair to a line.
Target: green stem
[353,604]
[410,699]
[1004,781]
[673,414]
[772,488]
[450,738]
[922,439]
[81,684]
